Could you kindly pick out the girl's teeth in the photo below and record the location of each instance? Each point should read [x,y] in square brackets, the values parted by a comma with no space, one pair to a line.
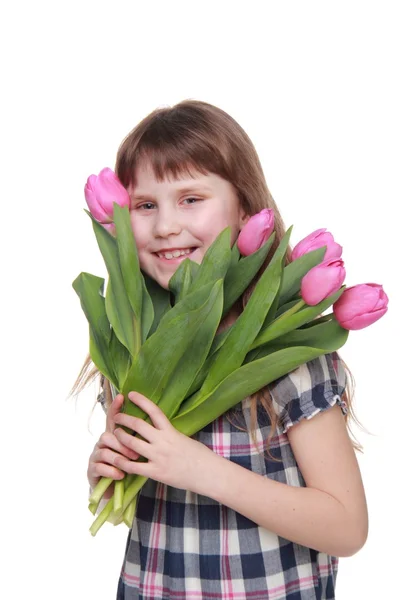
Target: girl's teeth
[175,253]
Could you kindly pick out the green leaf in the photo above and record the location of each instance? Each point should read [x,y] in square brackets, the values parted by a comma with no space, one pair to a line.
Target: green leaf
[121,317]
[147,317]
[246,327]
[118,308]
[161,300]
[215,262]
[120,358]
[160,354]
[180,282]
[128,258]
[196,413]
[90,291]
[294,272]
[328,335]
[288,321]
[207,320]
[241,274]
[235,255]
[286,307]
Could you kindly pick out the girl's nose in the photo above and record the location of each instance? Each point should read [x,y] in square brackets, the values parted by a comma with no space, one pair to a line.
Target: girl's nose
[167,223]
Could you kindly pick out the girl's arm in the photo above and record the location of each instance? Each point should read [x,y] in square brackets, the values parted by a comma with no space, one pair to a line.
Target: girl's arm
[329,515]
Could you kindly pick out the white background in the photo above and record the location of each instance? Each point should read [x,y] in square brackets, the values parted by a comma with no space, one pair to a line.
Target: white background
[316,86]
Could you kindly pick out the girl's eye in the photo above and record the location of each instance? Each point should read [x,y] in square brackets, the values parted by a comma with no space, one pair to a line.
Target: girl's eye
[191,200]
[146,206]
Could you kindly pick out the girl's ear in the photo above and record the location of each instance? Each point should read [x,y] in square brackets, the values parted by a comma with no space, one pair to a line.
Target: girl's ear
[243,218]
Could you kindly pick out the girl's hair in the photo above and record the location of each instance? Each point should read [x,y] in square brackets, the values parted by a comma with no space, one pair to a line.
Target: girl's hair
[197,136]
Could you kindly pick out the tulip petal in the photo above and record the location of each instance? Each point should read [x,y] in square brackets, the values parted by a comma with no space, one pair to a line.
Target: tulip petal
[322,281]
[95,208]
[256,232]
[361,321]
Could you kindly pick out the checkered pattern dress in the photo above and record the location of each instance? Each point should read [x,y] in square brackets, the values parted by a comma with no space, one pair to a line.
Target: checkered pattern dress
[184,546]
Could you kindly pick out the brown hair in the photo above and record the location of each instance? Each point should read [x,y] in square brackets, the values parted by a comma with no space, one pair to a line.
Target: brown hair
[199,136]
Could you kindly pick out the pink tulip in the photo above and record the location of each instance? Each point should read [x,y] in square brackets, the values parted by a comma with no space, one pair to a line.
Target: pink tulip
[361,305]
[322,281]
[315,240]
[256,232]
[101,191]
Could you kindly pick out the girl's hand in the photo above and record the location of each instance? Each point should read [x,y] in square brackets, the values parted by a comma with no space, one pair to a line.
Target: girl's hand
[107,449]
[173,458]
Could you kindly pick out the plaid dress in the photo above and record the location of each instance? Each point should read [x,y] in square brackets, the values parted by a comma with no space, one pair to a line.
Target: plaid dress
[184,546]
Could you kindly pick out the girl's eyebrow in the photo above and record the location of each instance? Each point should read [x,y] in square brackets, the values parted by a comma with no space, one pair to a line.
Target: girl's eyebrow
[184,190]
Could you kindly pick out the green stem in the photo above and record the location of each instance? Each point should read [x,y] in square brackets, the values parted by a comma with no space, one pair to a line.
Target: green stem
[102,517]
[133,489]
[99,490]
[93,508]
[137,336]
[129,513]
[118,495]
[273,330]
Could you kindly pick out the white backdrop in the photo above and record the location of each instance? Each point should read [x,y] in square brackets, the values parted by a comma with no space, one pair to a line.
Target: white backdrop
[316,86]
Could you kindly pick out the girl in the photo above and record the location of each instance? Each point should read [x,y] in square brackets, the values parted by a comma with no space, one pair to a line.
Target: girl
[261,502]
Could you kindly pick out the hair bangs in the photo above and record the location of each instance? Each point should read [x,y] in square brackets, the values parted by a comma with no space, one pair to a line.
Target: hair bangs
[172,152]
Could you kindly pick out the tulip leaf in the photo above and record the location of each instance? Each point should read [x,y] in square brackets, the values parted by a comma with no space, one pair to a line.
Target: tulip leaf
[128,258]
[294,272]
[118,308]
[215,262]
[284,307]
[328,335]
[192,360]
[218,342]
[121,317]
[288,321]
[121,360]
[181,280]
[246,327]
[235,255]
[198,411]
[161,301]
[147,316]
[157,359]
[241,274]
[90,291]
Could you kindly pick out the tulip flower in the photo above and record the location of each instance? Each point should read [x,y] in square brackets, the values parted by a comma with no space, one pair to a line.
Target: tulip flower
[101,191]
[317,239]
[322,281]
[360,306]
[256,232]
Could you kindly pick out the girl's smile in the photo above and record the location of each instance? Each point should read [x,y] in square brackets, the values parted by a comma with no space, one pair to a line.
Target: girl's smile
[174,219]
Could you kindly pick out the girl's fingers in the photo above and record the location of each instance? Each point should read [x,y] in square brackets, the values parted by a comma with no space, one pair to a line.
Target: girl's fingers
[114,409]
[105,470]
[108,440]
[140,426]
[134,443]
[156,415]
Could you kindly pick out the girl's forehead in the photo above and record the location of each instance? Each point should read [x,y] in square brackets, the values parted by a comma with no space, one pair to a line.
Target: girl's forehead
[145,172]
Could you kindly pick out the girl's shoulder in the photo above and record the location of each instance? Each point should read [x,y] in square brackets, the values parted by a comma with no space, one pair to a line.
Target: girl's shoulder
[309,389]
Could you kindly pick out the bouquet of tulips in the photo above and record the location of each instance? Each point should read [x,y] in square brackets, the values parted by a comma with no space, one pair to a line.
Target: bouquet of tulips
[164,343]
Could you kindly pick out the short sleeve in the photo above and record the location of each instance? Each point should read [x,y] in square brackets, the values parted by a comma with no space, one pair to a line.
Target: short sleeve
[310,389]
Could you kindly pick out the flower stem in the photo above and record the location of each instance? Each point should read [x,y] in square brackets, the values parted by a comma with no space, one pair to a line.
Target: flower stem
[273,330]
[93,507]
[102,517]
[133,489]
[99,490]
[118,495]
[129,513]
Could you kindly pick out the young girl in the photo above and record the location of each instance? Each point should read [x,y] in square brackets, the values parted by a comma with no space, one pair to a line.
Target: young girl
[261,502]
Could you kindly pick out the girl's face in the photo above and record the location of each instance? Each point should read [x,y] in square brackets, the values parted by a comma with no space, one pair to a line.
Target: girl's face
[178,218]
